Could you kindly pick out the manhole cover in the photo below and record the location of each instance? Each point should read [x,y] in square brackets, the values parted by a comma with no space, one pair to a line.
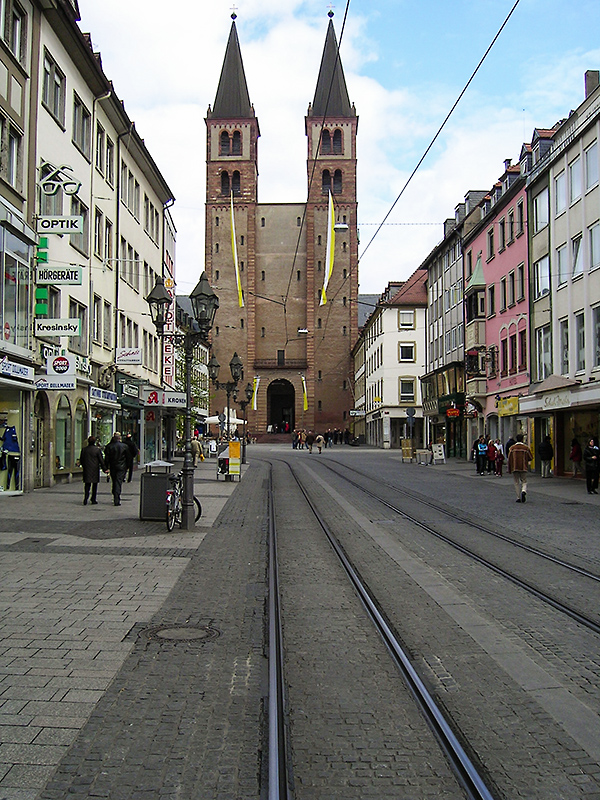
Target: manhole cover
[183,633]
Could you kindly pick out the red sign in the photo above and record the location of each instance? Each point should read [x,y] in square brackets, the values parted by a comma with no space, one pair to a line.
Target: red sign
[453,412]
[60,365]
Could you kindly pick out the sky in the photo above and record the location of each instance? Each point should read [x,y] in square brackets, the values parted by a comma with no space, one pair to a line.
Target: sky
[405,64]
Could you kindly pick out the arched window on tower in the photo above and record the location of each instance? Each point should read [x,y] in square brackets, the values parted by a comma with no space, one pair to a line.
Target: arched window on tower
[325,143]
[224,144]
[235,183]
[337,181]
[326,181]
[225,183]
[236,150]
[337,141]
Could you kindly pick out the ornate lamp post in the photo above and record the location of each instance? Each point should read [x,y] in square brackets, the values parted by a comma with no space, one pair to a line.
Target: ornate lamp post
[237,373]
[204,306]
[248,391]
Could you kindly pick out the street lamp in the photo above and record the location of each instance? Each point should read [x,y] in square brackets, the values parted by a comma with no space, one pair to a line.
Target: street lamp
[204,306]
[237,373]
[248,391]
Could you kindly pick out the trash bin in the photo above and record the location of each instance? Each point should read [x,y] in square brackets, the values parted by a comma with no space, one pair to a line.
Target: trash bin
[153,493]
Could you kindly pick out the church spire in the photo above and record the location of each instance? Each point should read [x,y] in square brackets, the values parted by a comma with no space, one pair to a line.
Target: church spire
[331,94]
[232,100]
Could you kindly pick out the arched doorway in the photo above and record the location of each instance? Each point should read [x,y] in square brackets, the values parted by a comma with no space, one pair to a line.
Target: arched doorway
[280,406]
[42,445]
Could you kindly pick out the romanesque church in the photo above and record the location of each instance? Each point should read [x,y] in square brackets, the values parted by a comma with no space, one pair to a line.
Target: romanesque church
[286,273]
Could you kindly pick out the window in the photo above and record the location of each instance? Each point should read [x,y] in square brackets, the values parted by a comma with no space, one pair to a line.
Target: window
[406,351]
[337,141]
[540,211]
[224,144]
[337,181]
[541,277]
[82,122]
[595,246]
[511,289]
[236,183]
[15,291]
[11,164]
[580,334]
[78,343]
[575,180]
[513,354]
[80,240]
[503,294]
[521,282]
[597,336]
[520,218]
[564,347]
[97,321]
[225,183]
[577,256]
[504,357]
[107,325]
[490,244]
[502,234]
[108,244]
[236,148]
[560,193]
[14,28]
[406,390]
[522,350]
[562,268]
[98,233]
[325,143]
[326,181]
[491,292]
[511,226]
[100,148]
[110,161]
[591,166]
[406,319]
[53,89]
[543,353]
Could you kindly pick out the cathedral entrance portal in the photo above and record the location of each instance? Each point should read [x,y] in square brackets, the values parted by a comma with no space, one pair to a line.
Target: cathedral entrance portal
[280,406]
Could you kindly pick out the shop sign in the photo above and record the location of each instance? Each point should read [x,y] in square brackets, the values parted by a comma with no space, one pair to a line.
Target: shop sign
[453,412]
[10,368]
[60,365]
[57,327]
[508,407]
[130,390]
[98,395]
[128,355]
[71,276]
[158,398]
[354,412]
[55,384]
[47,224]
[557,400]
[82,364]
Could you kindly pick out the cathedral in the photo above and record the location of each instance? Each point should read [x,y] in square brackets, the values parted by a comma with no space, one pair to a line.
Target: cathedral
[286,274]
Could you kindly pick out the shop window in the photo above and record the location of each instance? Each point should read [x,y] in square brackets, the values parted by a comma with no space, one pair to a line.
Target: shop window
[63,435]
[15,292]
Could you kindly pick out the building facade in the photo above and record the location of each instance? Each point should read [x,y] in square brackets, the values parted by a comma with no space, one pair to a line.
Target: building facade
[270,262]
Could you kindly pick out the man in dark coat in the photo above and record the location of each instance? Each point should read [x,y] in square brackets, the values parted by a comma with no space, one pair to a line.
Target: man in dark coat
[116,454]
[91,462]
[132,451]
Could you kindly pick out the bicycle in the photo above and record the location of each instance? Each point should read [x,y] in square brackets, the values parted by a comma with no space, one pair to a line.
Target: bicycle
[174,511]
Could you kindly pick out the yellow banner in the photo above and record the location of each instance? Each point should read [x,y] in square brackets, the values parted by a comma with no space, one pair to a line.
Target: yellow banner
[330,252]
[235,258]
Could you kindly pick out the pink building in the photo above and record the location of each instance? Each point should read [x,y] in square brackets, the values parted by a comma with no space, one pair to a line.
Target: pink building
[497,305]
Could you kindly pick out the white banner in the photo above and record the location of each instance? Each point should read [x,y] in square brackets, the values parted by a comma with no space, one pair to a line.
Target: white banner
[128,355]
[57,327]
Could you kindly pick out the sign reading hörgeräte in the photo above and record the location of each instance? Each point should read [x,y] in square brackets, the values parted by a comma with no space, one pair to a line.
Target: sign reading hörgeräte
[57,327]
[59,276]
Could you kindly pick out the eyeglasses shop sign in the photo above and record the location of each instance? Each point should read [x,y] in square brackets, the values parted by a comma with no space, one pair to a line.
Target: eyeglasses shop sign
[57,327]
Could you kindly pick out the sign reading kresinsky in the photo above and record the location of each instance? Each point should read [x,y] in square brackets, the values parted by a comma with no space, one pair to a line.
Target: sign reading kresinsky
[62,275]
[57,327]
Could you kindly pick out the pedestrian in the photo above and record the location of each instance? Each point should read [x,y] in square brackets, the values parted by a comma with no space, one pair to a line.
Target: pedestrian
[491,457]
[591,456]
[116,454]
[518,464]
[509,444]
[132,451]
[197,451]
[481,455]
[575,457]
[310,440]
[499,458]
[319,442]
[92,462]
[546,454]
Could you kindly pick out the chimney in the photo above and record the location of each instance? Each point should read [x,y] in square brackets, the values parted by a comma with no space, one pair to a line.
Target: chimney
[507,163]
[592,79]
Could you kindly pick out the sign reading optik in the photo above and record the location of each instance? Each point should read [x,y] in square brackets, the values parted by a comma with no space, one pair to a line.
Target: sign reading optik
[48,224]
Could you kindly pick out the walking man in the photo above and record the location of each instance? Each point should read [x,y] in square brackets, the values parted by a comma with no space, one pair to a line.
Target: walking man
[132,451]
[518,464]
[91,462]
[116,454]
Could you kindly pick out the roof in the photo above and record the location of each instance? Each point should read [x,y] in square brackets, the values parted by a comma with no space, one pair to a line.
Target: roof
[552,383]
[331,95]
[232,100]
[413,291]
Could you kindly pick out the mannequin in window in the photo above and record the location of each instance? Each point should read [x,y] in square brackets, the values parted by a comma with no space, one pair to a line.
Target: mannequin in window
[10,446]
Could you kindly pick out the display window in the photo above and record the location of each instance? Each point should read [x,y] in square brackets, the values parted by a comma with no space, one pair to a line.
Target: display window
[63,434]
[11,436]
[102,425]
[80,428]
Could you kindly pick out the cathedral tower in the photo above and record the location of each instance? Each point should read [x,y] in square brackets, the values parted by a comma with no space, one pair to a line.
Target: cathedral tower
[266,261]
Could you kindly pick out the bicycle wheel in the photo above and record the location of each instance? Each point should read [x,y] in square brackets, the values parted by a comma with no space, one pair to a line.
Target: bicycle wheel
[170,511]
[197,509]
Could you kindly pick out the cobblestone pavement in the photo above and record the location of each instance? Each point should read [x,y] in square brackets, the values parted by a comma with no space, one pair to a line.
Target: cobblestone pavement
[96,701]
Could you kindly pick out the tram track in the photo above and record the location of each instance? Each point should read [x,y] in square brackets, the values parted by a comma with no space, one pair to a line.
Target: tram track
[592,624]
[281,774]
